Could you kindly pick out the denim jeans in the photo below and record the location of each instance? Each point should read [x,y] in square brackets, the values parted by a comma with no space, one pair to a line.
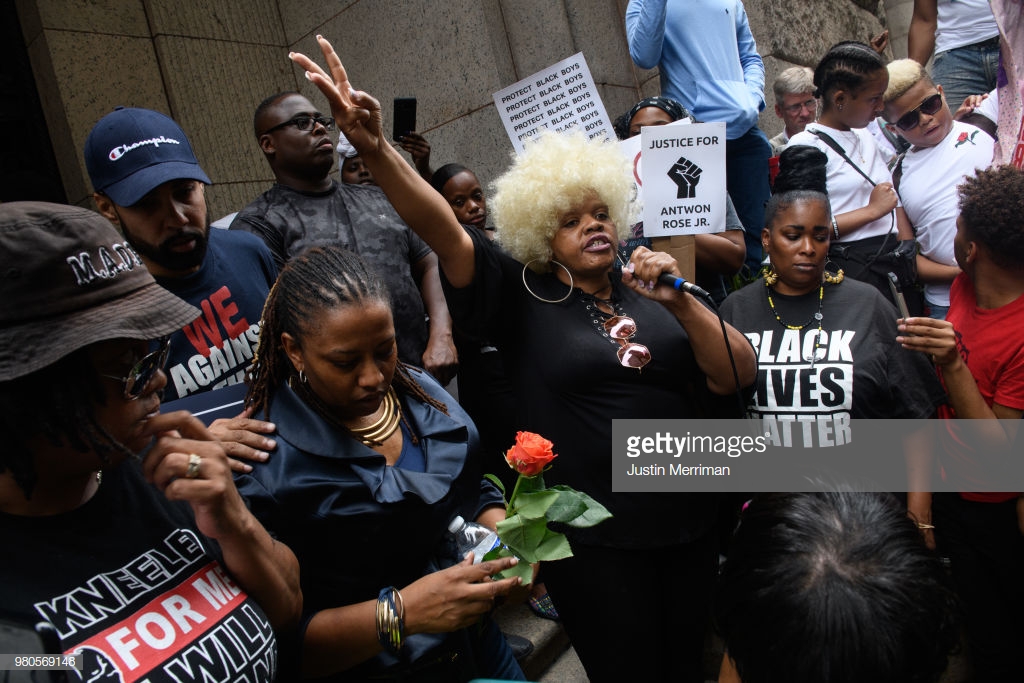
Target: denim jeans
[746,169]
[936,312]
[967,70]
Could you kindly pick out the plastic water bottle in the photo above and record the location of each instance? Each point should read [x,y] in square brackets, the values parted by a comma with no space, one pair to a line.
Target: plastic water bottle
[472,536]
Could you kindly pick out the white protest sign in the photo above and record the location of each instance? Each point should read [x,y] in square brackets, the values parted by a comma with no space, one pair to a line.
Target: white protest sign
[683,181]
[561,97]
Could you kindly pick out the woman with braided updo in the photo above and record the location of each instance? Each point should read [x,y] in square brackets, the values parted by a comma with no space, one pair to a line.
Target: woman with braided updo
[868,221]
[812,326]
[374,461]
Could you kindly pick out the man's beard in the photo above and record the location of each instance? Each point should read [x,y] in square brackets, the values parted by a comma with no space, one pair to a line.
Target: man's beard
[163,255]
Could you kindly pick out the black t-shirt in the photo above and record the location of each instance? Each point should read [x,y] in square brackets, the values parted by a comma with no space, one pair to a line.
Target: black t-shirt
[857,371]
[569,386]
[359,218]
[128,581]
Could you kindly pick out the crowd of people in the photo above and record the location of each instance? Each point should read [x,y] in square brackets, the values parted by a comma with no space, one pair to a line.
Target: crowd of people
[310,531]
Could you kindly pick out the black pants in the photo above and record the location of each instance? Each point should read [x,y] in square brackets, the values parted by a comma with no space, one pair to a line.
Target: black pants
[866,259]
[986,552]
[637,615]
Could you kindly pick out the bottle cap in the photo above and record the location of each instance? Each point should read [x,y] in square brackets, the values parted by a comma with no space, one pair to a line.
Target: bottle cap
[456,524]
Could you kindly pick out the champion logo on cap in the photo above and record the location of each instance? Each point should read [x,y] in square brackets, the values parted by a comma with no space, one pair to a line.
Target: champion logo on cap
[121,150]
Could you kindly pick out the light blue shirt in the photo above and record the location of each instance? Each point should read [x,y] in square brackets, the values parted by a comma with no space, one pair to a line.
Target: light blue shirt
[707,56]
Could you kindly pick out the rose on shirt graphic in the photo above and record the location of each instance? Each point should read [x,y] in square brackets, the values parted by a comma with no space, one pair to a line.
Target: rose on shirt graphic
[964,137]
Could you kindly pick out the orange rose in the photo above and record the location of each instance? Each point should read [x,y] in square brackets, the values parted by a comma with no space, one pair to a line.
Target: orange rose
[531,454]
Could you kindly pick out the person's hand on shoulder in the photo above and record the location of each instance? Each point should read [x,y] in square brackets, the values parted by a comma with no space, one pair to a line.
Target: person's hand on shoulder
[244,438]
[187,463]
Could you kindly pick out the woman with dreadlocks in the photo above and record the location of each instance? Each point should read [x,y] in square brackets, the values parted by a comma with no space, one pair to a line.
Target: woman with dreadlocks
[116,555]
[372,466]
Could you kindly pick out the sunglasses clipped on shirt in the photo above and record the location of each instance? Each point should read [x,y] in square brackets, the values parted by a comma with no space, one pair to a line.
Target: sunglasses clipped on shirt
[910,120]
[631,355]
[142,373]
[305,122]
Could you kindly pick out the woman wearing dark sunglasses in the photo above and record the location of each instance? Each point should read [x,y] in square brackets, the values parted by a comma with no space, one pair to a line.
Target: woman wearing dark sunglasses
[943,153]
[637,583]
[135,564]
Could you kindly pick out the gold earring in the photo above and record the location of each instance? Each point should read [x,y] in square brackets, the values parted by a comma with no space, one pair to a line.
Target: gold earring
[770,276]
[833,278]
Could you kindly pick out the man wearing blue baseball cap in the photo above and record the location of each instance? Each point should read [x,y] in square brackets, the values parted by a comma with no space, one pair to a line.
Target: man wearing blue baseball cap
[148,183]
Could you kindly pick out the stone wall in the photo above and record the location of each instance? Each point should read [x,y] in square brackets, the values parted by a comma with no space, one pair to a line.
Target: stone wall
[209,64]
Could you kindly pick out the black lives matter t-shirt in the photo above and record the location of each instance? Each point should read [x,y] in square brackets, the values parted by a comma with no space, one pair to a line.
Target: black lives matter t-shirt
[130,584]
[811,383]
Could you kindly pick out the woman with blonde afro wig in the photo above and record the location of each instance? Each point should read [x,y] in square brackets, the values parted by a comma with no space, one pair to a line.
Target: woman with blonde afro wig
[553,173]
[582,346]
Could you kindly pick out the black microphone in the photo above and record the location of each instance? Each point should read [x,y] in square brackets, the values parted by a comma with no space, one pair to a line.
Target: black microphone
[681,283]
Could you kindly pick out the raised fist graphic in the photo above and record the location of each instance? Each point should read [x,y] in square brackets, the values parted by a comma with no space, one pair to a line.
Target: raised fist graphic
[685,174]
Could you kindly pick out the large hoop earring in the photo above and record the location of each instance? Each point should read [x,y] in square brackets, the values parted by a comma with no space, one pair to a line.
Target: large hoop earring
[302,377]
[832,278]
[548,301]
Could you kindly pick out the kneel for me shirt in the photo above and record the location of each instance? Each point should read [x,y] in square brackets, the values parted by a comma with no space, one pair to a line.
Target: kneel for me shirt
[130,585]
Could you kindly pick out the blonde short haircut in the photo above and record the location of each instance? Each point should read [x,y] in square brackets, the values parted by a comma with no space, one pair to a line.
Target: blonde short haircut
[554,173]
[904,74]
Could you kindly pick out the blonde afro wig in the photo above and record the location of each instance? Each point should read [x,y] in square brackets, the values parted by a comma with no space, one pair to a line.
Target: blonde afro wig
[554,173]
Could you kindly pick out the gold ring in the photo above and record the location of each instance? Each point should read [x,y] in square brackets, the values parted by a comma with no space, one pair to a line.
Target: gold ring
[193,466]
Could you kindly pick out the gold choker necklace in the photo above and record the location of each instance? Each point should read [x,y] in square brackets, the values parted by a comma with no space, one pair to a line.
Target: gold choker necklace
[381,430]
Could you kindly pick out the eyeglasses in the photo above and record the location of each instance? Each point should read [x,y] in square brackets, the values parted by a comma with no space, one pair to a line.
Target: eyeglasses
[631,355]
[142,373]
[910,120]
[304,123]
[810,105]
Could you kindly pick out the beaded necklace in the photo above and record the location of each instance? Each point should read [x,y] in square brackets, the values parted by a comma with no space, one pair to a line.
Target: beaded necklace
[817,316]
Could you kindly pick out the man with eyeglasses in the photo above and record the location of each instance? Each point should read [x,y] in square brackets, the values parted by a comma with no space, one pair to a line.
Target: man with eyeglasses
[148,183]
[794,104]
[306,206]
[943,152]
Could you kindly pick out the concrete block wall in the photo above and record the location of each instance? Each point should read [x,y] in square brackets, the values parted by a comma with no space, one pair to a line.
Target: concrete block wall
[208,64]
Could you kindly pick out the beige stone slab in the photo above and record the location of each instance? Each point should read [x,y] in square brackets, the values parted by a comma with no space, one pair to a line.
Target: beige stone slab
[445,59]
[539,34]
[802,33]
[213,89]
[83,83]
[249,21]
[598,30]
[304,19]
[28,17]
[110,17]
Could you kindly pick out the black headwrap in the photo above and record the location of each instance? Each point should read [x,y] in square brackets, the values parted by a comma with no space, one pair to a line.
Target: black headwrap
[669,106]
